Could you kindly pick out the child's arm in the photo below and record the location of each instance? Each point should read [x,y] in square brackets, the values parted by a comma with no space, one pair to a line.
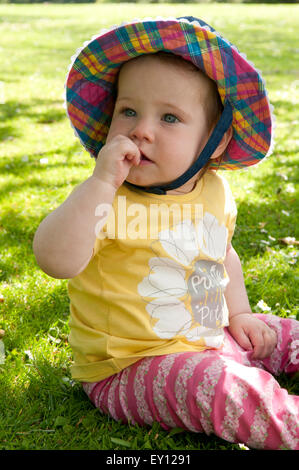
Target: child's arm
[235,292]
[64,240]
[250,332]
[63,243]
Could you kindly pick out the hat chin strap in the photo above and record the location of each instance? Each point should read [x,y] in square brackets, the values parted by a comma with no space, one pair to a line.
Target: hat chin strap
[221,127]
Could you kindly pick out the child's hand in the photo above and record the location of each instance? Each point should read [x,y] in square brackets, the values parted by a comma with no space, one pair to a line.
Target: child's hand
[115,160]
[253,334]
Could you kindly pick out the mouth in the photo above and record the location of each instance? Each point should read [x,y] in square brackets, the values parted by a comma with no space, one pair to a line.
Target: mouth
[144,159]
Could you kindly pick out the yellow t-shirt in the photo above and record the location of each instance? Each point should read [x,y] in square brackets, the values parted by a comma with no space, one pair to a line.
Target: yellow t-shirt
[156,280]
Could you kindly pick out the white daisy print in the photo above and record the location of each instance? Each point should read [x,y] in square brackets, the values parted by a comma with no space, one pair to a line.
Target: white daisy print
[170,290]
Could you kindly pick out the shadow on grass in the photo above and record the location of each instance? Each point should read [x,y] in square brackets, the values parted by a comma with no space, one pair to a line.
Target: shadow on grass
[18,167]
[16,237]
[13,110]
[25,171]
[9,132]
[21,168]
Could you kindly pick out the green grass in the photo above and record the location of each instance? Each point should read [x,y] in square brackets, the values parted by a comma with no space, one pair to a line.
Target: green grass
[40,406]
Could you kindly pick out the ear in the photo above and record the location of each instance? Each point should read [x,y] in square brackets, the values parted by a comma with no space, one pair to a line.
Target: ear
[223,143]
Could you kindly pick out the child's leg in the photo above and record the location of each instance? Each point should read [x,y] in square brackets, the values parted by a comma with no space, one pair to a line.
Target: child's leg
[277,414]
[210,391]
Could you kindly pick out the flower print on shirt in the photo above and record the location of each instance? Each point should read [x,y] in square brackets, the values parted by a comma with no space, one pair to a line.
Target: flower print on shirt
[184,304]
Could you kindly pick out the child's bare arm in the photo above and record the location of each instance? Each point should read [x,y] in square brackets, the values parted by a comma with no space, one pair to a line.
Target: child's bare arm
[64,240]
[235,292]
[63,243]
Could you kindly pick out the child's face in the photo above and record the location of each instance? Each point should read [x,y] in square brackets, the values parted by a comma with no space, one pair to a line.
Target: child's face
[159,107]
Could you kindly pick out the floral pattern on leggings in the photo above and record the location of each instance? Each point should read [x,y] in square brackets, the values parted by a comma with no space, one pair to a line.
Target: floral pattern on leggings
[234,409]
[159,383]
[140,391]
[259,427]
[181,392]
[221,391]
[205,393]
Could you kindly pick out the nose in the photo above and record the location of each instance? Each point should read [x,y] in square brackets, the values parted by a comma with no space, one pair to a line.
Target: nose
[142,130]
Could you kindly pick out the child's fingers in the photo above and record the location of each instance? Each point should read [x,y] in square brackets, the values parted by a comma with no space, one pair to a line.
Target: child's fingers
[134,154]
[258,343]
[270,339]
[115,160]
[253,335]
[134,157]
[244,340]
[264,342]
[123,147]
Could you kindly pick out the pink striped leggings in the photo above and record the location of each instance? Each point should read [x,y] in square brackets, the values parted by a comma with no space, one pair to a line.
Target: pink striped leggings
[223,392]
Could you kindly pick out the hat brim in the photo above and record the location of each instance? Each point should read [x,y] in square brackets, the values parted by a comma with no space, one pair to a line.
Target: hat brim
[91,91]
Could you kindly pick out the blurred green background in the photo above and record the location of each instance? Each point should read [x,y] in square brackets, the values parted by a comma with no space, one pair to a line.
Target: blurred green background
[40,163]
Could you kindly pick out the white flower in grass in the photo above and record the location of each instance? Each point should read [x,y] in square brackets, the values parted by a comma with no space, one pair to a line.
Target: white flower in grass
[263,306]
[243,447]
[167,282]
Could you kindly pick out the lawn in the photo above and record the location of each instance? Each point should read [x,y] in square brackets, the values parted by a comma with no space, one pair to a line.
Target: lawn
[41,161]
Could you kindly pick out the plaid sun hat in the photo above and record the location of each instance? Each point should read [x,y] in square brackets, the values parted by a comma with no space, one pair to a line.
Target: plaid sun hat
[91,92]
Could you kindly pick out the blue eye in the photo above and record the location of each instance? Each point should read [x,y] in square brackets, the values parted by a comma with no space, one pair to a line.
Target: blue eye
[170,118]
[129,112]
